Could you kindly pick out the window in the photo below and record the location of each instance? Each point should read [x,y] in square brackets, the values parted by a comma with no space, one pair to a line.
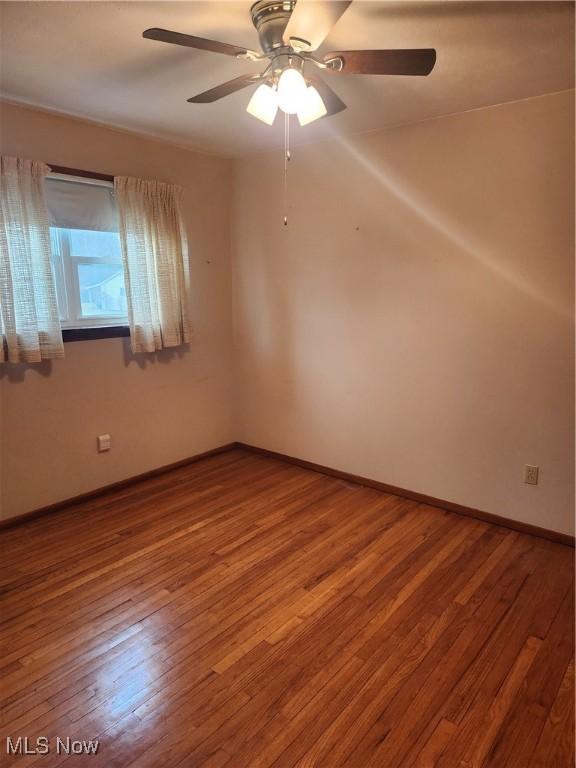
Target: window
[86,252]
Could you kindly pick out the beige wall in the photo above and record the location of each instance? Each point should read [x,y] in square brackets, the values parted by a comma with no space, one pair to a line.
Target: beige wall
[412,324]
[158,408]
[414,321]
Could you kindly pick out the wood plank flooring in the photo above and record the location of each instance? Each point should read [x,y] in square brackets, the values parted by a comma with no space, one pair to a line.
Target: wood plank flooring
[244,612]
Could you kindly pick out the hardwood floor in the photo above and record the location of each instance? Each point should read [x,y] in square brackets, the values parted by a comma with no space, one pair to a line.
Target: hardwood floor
[241,611]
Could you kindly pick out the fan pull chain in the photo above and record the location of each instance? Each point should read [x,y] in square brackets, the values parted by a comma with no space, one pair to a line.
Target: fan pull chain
[286,161]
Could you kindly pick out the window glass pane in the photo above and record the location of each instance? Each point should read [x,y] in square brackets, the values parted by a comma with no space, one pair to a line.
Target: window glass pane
[92,244]
[86,253]
[102,292]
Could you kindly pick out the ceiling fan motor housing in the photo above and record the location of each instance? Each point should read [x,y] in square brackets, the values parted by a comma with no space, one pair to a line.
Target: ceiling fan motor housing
[270,18]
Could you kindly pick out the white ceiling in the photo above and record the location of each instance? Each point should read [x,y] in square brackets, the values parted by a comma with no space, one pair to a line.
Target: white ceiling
[89,59]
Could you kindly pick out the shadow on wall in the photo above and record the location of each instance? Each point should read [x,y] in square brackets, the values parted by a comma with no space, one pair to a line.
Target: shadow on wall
[144,359]
[16,372]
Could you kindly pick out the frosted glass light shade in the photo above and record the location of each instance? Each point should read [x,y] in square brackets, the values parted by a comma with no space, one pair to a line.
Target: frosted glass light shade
[263,104]
[291,90]
[311,107]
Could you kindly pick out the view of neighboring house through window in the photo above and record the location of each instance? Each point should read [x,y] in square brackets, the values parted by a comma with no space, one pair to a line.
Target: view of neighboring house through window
[86,252]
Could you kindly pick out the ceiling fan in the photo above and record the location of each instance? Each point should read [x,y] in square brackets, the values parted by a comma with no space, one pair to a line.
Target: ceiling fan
[290,31]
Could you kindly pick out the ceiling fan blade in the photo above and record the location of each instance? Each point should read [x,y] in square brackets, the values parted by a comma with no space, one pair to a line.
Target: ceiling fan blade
[410,61]
[312,20]
[225,89]
[166,36]
[332,101]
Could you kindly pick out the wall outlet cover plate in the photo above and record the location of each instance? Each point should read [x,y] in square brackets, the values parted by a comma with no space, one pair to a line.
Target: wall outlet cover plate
[531,474]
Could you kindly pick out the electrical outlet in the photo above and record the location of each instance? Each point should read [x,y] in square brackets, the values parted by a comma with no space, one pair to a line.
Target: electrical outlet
[104,443]
[531,474]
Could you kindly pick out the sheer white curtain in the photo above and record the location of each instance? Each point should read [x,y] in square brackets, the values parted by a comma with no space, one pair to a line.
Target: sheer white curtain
[29,322]
[155,263]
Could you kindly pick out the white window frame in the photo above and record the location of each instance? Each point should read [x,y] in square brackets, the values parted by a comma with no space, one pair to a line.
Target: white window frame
[66,274]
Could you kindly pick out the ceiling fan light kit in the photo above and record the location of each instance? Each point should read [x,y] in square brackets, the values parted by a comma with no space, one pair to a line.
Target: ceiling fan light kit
[312,107]
[291,90]
[264,104]
[290,31]
[292,98]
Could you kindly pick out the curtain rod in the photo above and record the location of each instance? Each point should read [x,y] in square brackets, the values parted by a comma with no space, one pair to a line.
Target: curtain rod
[79,172]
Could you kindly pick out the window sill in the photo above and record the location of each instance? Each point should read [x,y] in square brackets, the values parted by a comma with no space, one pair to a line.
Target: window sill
[96,332]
